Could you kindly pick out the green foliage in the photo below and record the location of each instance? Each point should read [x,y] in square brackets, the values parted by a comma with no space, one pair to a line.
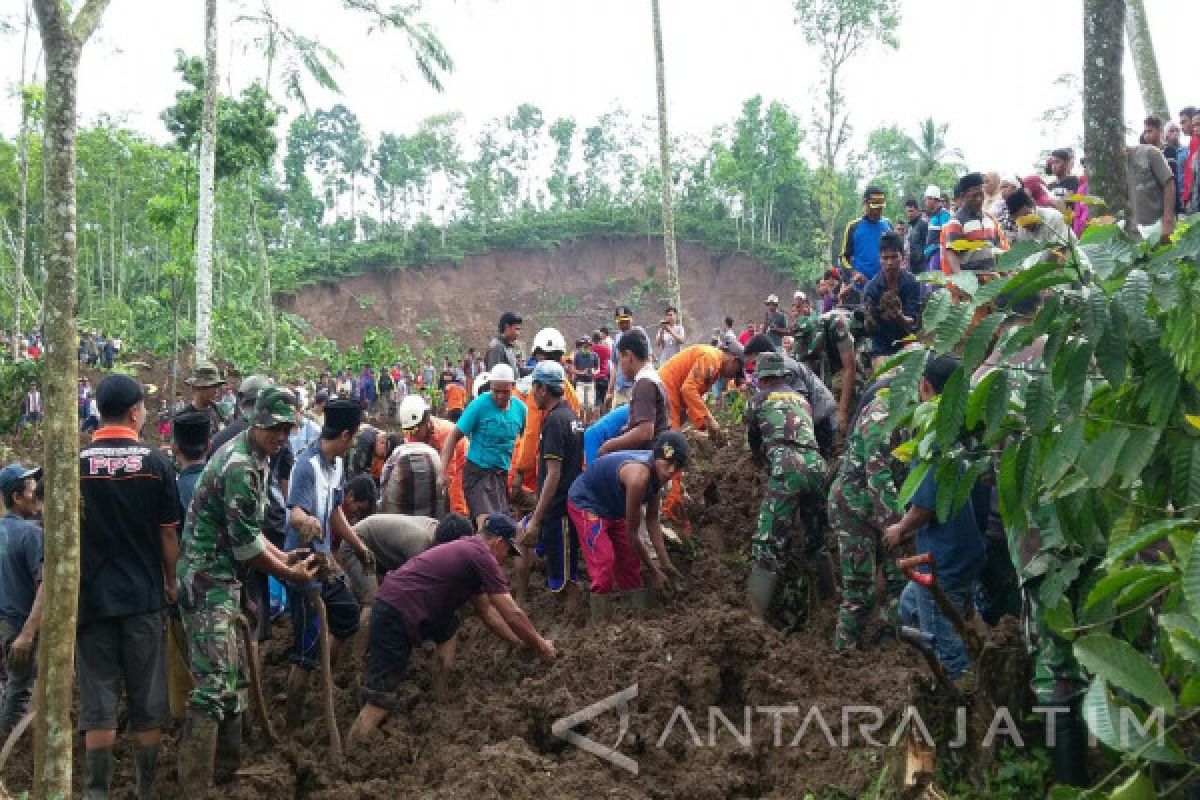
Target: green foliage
[15,380]
[1107,469]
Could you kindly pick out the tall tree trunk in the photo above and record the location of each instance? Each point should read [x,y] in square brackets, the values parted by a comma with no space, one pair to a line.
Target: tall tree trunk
[664,158]
[1141,46]
[1104,101]
[22,197]
[264,264]
[62,43]
[206,199]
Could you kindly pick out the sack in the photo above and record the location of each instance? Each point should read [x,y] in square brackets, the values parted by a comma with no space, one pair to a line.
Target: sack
[411,482]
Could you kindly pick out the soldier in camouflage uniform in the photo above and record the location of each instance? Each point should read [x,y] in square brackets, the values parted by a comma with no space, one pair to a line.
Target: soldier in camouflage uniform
[221,539]
[862,502]
[780,432]
[835,350]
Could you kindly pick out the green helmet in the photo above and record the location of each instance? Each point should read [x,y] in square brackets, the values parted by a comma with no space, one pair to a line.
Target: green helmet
[770,365]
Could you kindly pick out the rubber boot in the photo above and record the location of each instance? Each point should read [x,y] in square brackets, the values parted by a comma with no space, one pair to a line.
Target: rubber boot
[98,772]
[197,753]
[826,587]
[598,608]
[297,688]
[229,749]
[760,590]
[145,767]
[1068,755]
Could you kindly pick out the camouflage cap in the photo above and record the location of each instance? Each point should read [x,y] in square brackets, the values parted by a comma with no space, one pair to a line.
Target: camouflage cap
[205,375]
[276,405]
[770,365]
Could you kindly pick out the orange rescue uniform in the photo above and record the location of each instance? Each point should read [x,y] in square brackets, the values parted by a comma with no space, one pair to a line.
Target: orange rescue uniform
[456,397]
[525,452]
[441,429]
[687,377]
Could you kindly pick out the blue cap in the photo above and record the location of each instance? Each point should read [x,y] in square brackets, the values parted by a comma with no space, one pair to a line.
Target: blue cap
[548,373]
[12,475]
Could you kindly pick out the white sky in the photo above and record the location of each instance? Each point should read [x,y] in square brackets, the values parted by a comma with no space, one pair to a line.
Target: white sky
[958,62]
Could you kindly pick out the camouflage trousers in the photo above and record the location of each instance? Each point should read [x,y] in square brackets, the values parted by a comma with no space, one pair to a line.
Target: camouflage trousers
[1057,676]
[793,485]
[216,662]
[861,549]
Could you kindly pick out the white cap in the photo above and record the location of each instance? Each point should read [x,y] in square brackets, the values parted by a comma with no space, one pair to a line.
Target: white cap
[933,191]
[502,372]
[412,411]
[799,296]
[773,298]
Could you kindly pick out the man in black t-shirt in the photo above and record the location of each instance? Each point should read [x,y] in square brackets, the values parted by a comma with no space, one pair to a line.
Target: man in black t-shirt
[560,460]
[128,543]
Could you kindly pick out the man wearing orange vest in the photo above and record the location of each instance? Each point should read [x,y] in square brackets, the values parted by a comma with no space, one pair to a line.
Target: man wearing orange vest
[687,378]
[548,345]
[421,426]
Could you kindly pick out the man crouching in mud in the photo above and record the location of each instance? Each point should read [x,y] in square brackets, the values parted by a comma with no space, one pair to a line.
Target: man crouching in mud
[420,601]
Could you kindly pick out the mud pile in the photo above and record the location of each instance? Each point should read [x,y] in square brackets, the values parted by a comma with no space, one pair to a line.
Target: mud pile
[696,649]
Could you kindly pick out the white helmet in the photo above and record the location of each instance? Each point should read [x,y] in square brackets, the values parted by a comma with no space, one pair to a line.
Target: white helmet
[549,340]
[481,382]
[502,372]
[412,410]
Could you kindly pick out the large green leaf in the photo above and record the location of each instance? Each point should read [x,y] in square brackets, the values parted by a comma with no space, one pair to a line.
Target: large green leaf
[996,407]
[1159,391]
[1105,258]
[945,477]
[966,482]
[1017,254]
[1136,454]
[1113,724]
[1191,578]
[1008,485]
[1118,663]
[913,481]
[1099,458]
[1114,582]
[1112,350]
[1078,366]
[951,329]
[979,340]
[1134,294]
[952,409]
[1039,404]
[1095,313]
[1064,452]
[1027,277]
[1185,473]
[1184,630]
[976,402]
[935,310]
[1137,786]
[1143,537]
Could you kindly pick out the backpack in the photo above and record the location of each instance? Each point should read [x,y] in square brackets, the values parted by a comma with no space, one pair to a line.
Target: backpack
[411,482]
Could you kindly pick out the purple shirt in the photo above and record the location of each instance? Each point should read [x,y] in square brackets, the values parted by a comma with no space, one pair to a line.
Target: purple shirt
[432,586]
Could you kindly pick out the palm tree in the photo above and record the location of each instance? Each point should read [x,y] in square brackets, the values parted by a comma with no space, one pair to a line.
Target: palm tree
[930,150]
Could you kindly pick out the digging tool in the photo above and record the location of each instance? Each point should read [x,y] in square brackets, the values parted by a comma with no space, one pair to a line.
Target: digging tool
[179,676]
[335,737]
[258,704]
[928,580]
[923,643]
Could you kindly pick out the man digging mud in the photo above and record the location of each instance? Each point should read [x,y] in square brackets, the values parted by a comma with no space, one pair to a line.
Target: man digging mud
[222,536]
[420,601]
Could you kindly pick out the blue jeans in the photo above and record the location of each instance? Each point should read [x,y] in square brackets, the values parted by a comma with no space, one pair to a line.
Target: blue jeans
[919,609]
[20,683]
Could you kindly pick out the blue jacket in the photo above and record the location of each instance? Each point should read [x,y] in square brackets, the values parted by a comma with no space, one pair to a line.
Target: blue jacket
[860,246]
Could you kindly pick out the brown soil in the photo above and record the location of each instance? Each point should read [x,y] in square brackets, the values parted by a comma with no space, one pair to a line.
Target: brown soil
[574,287]
[698,648]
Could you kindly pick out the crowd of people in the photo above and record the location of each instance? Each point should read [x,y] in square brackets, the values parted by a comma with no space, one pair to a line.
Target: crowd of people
[389,498]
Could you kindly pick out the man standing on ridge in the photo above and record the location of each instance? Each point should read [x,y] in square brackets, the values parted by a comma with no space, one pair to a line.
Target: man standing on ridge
[206,383]
[621,386]
[860,244]
[503,347]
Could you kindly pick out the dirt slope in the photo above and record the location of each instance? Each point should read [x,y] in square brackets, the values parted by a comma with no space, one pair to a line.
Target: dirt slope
[573,287]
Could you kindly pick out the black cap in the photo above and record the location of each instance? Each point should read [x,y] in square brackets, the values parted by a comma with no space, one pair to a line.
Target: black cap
[343,415]
[938,370]
[673,447]
[623,311]
[503,527]
[190,429]
[116,394]
[508,318]
[1065,153]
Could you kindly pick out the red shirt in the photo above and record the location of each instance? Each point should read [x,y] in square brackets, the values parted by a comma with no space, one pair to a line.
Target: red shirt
[604,356]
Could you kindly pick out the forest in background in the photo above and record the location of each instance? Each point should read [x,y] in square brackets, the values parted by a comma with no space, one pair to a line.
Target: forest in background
[319,200]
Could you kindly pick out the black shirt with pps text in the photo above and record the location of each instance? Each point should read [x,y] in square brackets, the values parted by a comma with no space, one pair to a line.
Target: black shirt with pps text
[127,493]
[561,440]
